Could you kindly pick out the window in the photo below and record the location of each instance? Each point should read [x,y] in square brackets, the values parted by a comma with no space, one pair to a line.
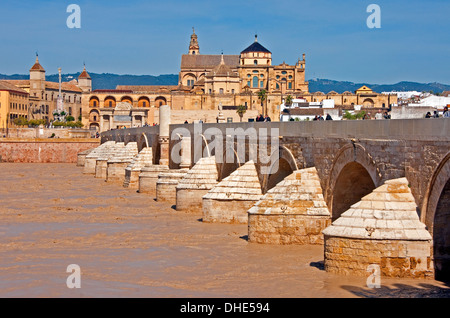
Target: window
[284,72]
[261,84]
[221,91]
[278,76]
[255,62]
[290,85]
[232,91]
[278,86]
[144,104]
[110,103]
[255,81]
[261,75]
[290,76]
[248,83]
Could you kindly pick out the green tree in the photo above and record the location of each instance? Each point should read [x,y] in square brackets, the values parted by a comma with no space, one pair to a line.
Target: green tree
[262,95]
[288,100]
[70,118]
[36,122]
[20,121]
[241,110]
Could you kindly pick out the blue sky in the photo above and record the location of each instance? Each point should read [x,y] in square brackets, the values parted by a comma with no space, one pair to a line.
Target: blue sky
[148,37]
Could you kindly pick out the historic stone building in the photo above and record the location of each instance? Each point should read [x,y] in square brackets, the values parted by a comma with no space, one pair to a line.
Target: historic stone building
[207,81]
[13,104]
[43,94]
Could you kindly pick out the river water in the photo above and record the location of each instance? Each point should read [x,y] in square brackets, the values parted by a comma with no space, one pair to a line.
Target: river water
[128,245]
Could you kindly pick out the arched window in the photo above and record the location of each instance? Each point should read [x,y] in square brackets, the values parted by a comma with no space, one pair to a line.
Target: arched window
[255,81]
[255,62]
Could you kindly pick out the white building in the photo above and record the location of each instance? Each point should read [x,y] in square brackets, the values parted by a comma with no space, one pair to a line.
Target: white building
[302,110]
[403,95]
[432,101]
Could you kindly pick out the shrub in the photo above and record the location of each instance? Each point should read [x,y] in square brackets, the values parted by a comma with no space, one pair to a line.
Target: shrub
[36,122]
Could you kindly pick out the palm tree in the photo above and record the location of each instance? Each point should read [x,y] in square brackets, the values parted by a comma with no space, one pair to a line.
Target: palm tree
[241,109]
[288,101]
[262,95]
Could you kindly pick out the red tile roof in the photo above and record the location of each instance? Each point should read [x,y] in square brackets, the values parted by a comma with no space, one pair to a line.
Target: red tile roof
[6,86]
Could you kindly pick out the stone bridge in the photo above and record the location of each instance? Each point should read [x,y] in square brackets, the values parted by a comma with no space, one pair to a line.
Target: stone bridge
[352,160]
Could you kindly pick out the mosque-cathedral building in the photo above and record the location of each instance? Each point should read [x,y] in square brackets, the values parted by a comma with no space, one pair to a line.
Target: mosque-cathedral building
[205,82]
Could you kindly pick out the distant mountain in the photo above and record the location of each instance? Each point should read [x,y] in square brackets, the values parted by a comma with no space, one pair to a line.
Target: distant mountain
[110,81]
[326,85]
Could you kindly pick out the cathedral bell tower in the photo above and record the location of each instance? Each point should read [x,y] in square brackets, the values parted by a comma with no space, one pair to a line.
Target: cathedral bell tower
[194,48]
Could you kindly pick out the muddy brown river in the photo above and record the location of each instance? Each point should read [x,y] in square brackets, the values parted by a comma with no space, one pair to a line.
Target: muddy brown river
[128,245]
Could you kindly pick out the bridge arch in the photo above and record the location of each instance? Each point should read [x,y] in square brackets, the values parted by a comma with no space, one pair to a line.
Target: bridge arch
[226,168]
[353,175]
[282,164]
[436,216]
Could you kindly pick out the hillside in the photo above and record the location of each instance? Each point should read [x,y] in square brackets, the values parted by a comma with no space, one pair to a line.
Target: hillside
[110,81]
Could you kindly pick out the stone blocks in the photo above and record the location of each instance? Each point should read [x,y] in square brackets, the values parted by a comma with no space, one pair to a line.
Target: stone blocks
[229,200]
[196,183]
[383,229]
[293,212]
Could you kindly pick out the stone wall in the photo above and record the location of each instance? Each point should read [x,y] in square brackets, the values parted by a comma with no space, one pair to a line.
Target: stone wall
[47,133]
[286,229]
[44,150]
[403,112]
[348,256]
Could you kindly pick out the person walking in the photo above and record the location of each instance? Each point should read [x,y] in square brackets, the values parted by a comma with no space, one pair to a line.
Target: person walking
[446,113]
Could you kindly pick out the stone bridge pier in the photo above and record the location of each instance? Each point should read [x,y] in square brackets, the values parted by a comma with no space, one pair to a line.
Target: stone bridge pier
[321,183]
